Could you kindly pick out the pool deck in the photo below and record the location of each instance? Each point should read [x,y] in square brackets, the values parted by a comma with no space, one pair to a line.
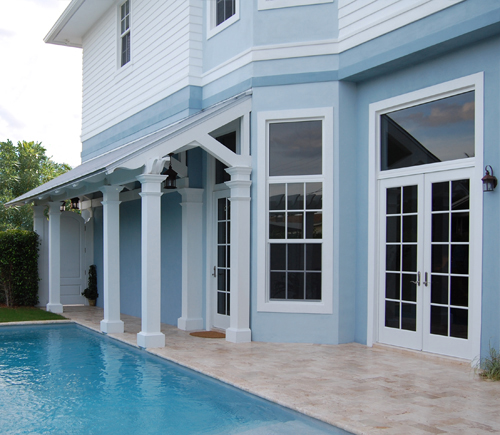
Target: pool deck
[379,390]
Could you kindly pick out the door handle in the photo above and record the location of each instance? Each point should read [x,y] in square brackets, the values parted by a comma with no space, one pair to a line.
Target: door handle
[214,274]
[417,282]
[426,283]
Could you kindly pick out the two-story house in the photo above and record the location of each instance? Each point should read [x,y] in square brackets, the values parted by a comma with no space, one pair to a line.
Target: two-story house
[284,170]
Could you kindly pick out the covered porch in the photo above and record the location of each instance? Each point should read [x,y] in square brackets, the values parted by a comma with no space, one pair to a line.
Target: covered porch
[137,172]
[379,390]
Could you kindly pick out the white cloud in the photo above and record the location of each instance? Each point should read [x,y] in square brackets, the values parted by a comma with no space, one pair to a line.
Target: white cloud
[40,84]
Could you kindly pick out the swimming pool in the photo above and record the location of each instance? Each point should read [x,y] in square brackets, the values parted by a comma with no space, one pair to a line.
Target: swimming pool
[69,380]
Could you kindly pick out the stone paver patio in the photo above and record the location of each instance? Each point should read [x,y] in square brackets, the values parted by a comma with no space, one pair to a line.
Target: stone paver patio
[364,390]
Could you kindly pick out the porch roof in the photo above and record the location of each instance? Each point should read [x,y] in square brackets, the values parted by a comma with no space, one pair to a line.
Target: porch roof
[135,154]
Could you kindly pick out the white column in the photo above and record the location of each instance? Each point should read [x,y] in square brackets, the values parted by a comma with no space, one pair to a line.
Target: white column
[40,227]
[192,260]
[111,259]
[151,335]
[239,329]
[54,304]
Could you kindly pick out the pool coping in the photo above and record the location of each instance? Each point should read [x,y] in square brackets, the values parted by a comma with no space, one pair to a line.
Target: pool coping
[35,322]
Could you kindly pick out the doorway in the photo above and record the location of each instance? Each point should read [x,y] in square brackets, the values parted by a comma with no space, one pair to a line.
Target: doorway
[221,290]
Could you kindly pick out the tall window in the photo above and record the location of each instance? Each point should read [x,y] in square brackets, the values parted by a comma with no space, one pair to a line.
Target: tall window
[125,32]
[295,208]
[223,10]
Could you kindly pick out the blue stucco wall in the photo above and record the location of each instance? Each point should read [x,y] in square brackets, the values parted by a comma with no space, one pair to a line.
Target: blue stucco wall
[130,257]
[287,327]
[468,60]
[171,258]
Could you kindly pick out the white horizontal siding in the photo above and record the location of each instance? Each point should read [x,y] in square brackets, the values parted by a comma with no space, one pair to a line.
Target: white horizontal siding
[166,55]
[363,20]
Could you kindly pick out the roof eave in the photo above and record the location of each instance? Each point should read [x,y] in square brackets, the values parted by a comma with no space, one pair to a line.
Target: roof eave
[61,23]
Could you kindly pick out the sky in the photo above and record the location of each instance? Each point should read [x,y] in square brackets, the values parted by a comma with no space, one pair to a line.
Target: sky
[40,84]
[445,127]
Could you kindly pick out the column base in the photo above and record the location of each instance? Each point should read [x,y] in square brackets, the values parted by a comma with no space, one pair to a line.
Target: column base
[112,326]
[55,308]
[238,335]
[154,339]
[187,324]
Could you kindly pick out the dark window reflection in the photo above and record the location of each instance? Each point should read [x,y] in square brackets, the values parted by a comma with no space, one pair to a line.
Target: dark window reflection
[459,322]
[439,320]
[392,314]
[392,285]
[437,131]
[295,148]
[409,317]
[229,141]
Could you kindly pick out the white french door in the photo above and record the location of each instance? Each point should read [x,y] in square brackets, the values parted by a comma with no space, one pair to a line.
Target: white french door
[222,267]
[426,296]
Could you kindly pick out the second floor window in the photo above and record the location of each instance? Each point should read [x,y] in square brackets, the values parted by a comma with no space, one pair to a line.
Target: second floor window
[224,10]
[125,32]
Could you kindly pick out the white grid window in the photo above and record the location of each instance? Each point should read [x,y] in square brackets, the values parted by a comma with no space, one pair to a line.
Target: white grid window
[295,210]
[125,33]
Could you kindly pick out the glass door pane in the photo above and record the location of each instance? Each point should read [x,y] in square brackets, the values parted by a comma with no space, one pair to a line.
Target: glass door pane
[449,286]
[223,256]
[401,253]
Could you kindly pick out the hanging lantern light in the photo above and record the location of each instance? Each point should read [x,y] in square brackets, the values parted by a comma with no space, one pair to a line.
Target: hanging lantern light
[75,203]
[62,207]
[171,181]
[489,180]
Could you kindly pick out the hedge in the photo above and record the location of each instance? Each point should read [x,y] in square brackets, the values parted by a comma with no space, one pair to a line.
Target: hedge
[19,267]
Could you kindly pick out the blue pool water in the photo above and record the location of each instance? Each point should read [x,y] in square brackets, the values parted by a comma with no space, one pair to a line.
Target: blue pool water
[64,379]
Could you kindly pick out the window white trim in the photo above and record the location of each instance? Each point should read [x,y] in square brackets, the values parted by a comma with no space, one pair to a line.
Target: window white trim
[212,28]
[274,4]
[324,114]
[474,82]
[125,69]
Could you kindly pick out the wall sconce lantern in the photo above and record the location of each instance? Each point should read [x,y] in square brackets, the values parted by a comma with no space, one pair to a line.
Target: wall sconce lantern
[75,203]
[170,182]
[489,180]
[62,207]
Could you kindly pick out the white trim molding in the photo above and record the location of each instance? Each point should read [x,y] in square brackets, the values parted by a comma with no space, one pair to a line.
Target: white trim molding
[474,82]
[264,304]
[275,4]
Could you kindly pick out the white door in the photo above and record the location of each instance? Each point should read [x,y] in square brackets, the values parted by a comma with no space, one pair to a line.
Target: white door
[221,255]
[72,259]
[426,279]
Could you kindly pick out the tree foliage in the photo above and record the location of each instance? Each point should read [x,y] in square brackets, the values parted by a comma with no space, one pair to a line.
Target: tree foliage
[22,168]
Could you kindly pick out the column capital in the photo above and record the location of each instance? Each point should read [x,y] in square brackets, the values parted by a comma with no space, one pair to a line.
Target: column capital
[151,184]
[38,211]
[150,178]
[54,207]
[239,173]
[240,181]
[111,193]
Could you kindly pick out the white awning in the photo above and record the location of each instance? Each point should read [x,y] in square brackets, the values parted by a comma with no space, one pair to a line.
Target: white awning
[182,135]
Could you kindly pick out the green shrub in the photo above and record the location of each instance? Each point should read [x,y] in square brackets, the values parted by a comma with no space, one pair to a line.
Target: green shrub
[489,367]
[19,267]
